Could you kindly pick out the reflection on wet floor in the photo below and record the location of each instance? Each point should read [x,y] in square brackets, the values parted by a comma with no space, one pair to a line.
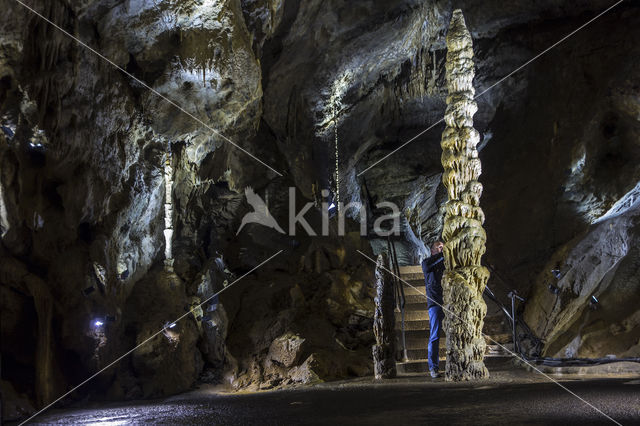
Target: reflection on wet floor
[512,395]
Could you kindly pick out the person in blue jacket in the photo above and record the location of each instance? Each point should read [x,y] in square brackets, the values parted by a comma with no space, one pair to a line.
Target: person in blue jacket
[433,268]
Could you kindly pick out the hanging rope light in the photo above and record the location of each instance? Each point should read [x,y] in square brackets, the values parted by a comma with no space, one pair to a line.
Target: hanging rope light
[335,131]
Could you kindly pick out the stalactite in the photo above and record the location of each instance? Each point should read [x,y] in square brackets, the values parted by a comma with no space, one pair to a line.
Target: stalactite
[433,71]
[384,364]
[44,47]
[465,278]
[168,211]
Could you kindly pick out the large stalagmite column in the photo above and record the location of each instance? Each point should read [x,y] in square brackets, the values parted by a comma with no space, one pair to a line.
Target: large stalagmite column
[464,278]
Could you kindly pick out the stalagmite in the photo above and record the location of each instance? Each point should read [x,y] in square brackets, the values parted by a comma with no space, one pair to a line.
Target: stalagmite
[168,212]
[16,274]
[465,278]
[384,364]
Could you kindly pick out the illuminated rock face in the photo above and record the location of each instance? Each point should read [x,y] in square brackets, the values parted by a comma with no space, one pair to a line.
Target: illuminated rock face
[168,212]
[464,279]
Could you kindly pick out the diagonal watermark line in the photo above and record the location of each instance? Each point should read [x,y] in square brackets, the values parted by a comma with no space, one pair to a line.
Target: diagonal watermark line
[502,346]
[549,48]
[144,342]
[401,146]
[496,83]
[174,104]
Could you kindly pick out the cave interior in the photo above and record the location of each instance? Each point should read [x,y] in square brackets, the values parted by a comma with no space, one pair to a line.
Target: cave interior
[211,182]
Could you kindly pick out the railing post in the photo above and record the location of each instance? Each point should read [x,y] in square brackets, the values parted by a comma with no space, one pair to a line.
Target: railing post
[384,363]
[398,293]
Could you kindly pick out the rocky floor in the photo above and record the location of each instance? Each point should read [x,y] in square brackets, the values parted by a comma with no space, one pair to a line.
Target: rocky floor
[510,396]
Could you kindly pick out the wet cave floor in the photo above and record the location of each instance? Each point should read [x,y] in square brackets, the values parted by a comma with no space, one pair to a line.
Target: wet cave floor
[511,396]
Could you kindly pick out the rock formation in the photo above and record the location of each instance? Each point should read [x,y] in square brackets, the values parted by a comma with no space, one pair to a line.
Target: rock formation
[14,273]
[384,363]
[464,279]
[168,211]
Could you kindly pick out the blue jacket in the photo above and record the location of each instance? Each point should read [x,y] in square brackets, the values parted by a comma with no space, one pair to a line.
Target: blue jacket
[433,268]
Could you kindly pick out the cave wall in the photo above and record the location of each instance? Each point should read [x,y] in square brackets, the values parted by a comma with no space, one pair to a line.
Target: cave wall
[559,160]
[82,151]
[82,154]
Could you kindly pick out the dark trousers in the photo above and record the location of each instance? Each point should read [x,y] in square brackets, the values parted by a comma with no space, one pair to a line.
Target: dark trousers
[435,321]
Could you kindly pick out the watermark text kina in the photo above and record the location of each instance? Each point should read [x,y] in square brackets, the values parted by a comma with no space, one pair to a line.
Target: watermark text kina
[262,216]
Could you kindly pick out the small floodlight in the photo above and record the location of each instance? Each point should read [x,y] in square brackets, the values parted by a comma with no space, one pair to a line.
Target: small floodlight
[98,323]
[593,302]
[7,131]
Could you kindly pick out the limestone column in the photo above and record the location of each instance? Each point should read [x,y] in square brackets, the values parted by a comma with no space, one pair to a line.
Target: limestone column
[384,363]
[168,211]
[15,274]
[464,237]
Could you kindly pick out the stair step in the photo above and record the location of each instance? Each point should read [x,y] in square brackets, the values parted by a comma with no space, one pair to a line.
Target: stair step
[413,316]
[413,325]
[502,338]
[420,343]
[497,350]
[410,269]
[415,291]
[419,339]
[413,334]
[417,354]
[419,366]
[414,354]
[415,298]
[418,335]
[421,305]
[413,277]
[422,365]
[414,307]
[417,349]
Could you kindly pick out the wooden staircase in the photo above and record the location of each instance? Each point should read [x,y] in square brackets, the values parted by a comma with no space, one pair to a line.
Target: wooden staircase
[416,326]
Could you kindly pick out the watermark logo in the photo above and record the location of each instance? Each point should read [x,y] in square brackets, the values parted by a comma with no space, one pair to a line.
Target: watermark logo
[262,216]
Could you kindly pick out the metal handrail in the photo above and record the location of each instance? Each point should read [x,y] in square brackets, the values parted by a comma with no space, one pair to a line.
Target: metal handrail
[398,292]
[548,361]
